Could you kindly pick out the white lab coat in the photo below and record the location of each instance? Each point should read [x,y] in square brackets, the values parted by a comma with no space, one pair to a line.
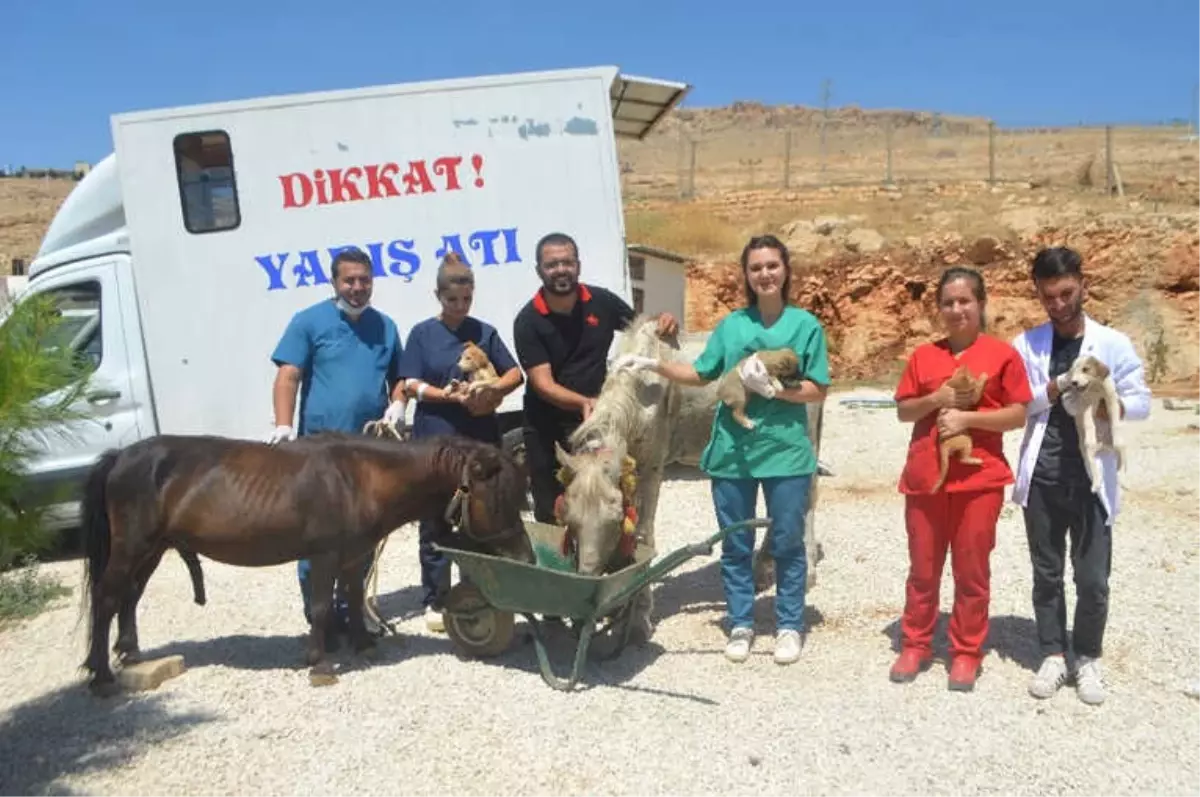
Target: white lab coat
[1112,348]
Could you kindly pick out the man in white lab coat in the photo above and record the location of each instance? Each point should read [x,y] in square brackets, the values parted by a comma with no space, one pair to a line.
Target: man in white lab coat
[1052,485]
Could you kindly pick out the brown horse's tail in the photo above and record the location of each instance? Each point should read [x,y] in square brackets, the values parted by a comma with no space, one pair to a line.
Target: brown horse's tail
[95,530]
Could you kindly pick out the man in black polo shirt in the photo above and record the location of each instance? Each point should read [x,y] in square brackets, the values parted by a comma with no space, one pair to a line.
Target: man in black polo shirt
[562,338]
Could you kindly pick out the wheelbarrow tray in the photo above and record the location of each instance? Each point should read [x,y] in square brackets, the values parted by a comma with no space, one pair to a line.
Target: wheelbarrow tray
[548,588]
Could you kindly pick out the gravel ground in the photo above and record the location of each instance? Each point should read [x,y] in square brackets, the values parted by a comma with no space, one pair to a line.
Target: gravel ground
[670,717]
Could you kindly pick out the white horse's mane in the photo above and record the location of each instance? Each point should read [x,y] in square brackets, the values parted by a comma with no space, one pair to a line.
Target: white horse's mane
[620,415]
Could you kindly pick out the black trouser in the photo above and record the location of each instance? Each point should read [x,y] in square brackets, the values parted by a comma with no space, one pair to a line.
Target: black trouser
[1052,511]
[543,465]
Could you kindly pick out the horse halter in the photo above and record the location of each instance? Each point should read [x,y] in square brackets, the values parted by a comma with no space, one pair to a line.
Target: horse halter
[458,511]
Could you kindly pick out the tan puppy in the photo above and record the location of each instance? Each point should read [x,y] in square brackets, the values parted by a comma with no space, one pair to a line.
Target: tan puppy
[477,370]
[960,445]
[1089,383]
[782,365]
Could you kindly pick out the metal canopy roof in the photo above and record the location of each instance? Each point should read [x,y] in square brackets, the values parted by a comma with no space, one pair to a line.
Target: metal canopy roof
[638,103]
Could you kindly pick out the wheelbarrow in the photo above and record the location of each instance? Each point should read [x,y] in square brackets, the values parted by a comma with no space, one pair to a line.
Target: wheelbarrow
[480,611]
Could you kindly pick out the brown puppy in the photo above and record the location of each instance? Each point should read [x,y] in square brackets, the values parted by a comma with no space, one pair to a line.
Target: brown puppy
[477,370]
[782,365]
[960,444]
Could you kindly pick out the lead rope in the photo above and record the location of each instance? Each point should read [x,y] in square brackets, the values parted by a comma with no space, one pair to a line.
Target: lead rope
[371,596]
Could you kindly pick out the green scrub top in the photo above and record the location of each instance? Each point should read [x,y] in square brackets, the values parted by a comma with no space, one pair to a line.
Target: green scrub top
[779,445]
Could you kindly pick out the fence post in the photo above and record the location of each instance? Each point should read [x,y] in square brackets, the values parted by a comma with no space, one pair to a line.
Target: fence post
[887,132]
[692,169]
[1108,160]
[991,152]
[787,160]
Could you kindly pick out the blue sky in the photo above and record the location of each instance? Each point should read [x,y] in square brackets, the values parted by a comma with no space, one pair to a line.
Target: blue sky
[67,66]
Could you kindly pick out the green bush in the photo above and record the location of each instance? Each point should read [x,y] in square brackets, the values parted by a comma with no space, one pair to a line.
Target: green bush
[42,379]
[25,592]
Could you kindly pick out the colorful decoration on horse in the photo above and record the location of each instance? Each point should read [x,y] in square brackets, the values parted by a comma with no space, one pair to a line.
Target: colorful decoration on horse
[628,485]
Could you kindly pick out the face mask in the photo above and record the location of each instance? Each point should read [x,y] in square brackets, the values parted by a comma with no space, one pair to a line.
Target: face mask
[349,309]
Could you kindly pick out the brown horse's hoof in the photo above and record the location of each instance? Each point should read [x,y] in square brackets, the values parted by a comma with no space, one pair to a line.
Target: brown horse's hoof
[322,675]
[129,656]
[104,689]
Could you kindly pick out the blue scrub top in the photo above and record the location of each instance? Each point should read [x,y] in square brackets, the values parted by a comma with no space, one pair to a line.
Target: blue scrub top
[431,354]
[346,366]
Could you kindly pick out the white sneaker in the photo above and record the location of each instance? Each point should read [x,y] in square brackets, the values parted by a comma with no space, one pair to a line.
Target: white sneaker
[1089,681]
[740,642]
[788,644]
[1049,678]
[433,620]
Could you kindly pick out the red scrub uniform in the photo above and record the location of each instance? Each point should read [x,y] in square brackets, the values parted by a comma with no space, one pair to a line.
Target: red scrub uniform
[962,515]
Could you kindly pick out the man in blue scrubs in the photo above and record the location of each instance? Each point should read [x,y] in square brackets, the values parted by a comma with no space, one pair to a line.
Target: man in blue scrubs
[343,356]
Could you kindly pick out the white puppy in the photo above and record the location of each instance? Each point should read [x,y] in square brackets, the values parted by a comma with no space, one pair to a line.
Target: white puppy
[1084,386]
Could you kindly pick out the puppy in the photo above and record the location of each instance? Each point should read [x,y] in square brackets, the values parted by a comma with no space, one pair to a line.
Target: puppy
[960,444]
[477,370]
[1089,382]
[782,365]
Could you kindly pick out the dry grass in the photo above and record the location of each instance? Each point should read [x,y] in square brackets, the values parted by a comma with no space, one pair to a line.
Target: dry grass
[742,159]
[692,229]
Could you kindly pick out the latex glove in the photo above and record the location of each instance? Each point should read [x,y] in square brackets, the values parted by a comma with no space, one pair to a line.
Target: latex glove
[634,362]
[280,434]
[394,414]
[1063,382]
[755,377]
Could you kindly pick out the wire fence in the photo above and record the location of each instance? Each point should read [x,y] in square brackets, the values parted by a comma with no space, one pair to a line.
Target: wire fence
[1111,158]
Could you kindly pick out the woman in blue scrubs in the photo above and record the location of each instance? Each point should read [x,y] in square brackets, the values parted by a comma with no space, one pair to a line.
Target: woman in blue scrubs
[429,363]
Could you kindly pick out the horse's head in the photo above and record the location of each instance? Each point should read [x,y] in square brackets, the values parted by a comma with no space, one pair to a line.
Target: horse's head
[492,494]
[593,509]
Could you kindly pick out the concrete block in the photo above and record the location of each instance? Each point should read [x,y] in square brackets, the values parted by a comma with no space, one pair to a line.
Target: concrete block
[147,675]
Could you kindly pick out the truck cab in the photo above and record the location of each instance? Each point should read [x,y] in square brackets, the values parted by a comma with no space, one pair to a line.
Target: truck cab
[178,260]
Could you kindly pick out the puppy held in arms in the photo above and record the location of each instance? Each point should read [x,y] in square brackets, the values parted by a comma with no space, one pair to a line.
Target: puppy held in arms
[1089,383]
[477,369]
[782,365]
[960,444]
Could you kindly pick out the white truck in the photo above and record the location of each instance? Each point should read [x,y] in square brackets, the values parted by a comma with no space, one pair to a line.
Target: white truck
[184,253]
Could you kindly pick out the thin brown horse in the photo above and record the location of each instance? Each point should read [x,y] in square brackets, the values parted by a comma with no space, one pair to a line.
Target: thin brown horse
[329,498]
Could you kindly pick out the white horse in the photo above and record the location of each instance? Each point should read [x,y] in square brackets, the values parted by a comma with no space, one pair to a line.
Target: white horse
[634,416]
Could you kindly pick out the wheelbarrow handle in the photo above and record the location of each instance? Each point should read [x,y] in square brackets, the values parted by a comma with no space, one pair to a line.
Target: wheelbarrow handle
[676,558]
[706,548]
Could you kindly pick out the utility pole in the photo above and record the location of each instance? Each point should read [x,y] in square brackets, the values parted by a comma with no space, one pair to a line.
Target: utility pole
[826,85]
[1194,119]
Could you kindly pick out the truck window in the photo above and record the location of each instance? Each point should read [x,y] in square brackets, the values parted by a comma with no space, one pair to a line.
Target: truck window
[207,185]
[79,313]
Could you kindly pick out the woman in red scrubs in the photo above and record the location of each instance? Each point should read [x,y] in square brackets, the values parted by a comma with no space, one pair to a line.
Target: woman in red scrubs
[962,515]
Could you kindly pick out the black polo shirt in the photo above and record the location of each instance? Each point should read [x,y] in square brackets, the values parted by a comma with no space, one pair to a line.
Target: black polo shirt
[575,345]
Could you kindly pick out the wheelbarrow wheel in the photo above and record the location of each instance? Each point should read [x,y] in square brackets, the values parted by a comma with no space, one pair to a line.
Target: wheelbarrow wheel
[475,627]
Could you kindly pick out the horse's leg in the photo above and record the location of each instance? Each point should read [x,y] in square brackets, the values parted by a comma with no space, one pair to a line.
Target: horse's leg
[649,487]
[352,580]
[321,578]
[127,634]
[107,598]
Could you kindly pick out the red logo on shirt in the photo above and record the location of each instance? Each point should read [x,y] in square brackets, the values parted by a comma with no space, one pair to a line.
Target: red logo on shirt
[592,320]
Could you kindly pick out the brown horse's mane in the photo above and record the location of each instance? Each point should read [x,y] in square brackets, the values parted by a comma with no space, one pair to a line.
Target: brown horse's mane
[444,454]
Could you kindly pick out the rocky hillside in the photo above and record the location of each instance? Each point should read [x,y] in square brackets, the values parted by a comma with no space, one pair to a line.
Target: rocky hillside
[26,208]
[753,117]
[876,299]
